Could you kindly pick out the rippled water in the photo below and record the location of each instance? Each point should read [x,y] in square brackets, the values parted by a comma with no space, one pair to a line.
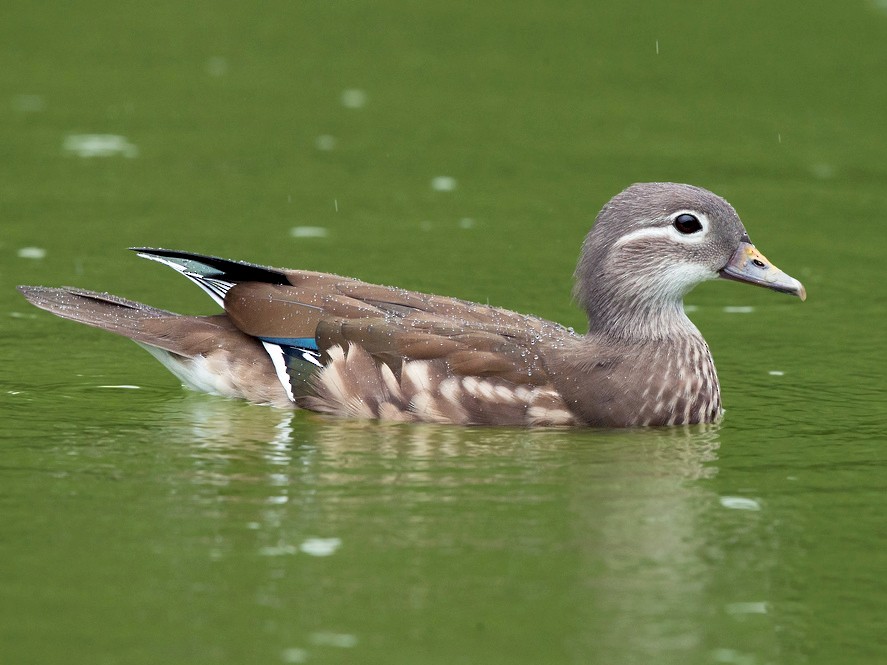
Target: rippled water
[459,149]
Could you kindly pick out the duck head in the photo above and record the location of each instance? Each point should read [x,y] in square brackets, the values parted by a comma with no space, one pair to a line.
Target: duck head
[651,244]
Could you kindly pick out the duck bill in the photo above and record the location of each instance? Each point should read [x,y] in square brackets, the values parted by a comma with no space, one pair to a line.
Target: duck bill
[750,266]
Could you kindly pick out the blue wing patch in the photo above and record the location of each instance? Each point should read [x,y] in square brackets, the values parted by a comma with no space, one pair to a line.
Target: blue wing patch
[295,342]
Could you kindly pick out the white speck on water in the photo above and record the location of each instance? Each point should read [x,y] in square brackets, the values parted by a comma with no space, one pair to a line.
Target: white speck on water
[342,640]
[123,386]
[776,372]
[691,308]
[320,546]
[657,47]
[31,253]
[746,608]
[466,223]
[732,656]
[28,103]
[217,66]
[822,171]
[99,145]
[336,204]
[13,392]
[252,526]
[278,550]
[739,503]
[443,183]
[294,655]
[739,309]
[309,232]
[22,315]
[425,225]
[354,98]
[325,142]
[779,138]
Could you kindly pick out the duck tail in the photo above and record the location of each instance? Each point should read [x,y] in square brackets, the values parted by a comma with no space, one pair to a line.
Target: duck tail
[214,275]
[99,310]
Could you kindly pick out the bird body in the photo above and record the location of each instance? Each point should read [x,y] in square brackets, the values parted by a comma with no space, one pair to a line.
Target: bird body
[344,347]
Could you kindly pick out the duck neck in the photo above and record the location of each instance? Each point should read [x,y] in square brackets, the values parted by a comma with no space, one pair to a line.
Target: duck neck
[640,321]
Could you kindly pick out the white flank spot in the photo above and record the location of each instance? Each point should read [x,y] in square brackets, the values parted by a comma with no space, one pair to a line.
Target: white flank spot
[469,384]
[739,309]
[99,145]
[523,393]
[423,406]
[309,232]
[739,503]
[320,546]
[353,98]
[417,372]
[449,389]
[31,253]
[332,379]
[538,415]
[390,381]
[486,390]
[443,183]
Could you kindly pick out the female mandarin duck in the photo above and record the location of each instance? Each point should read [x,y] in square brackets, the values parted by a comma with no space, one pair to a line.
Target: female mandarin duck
[341,346]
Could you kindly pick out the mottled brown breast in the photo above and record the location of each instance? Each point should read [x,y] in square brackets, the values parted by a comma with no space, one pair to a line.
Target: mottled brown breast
[668,382]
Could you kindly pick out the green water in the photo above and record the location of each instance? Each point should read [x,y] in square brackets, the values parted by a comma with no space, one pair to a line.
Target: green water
[146,524]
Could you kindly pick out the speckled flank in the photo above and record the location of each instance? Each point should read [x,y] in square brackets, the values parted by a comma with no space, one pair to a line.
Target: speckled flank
[425,392]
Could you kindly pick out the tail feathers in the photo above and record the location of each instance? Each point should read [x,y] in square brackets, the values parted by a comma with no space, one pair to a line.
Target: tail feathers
[212,274]
[183,335]
[207,353]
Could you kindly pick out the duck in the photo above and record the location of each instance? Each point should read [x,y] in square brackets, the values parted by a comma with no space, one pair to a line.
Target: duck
[344,347]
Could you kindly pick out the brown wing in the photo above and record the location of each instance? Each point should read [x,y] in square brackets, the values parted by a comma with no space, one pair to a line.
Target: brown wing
[393,325]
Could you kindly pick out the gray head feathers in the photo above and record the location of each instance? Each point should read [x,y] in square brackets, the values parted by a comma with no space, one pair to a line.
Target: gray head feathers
[649,246]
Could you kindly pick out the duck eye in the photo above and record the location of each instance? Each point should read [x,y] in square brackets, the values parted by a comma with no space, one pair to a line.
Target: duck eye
[687,223]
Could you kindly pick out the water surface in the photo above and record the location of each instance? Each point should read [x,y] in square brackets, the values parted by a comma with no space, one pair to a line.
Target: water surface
[461,149]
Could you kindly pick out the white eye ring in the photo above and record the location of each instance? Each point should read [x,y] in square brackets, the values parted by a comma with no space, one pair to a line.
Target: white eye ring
[688,226]
[670,231]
